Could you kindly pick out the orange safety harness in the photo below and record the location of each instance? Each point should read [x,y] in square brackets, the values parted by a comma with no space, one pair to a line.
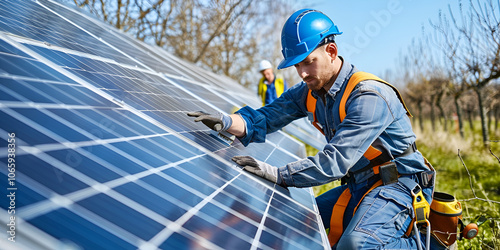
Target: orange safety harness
[336,222]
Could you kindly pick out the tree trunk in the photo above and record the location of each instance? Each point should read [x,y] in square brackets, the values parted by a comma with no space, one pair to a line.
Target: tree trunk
[443,114]
[459,117]
[420,118]
[470,117]
[489,119]
[496,115]
[482,114]
[433,116]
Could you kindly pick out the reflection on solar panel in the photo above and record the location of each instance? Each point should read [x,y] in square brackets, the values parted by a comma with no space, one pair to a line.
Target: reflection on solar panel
[97,152]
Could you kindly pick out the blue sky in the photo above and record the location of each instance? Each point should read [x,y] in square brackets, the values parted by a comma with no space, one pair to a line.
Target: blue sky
[375,33]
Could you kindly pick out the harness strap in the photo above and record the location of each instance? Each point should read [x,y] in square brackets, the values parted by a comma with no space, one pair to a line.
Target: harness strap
[371,153]
[385,157]
[337,219]
[311,107]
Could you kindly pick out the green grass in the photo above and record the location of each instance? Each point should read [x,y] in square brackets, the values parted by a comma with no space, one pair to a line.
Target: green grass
[442,150]
[467,170]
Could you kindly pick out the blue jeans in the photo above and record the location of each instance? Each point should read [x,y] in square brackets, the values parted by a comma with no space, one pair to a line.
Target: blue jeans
[381,220]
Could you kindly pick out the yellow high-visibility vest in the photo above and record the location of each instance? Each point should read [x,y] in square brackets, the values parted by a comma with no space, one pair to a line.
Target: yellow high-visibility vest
[279,85]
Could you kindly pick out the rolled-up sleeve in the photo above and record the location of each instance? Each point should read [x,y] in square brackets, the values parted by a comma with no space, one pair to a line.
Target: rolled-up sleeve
[272,117]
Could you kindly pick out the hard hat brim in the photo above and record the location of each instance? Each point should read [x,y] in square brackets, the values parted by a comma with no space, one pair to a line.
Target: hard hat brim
[293,60]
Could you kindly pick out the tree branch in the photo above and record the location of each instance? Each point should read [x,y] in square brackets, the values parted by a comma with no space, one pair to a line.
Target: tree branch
[470,184]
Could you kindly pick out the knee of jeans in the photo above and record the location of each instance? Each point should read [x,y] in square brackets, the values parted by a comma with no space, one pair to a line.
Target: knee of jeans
[354,240]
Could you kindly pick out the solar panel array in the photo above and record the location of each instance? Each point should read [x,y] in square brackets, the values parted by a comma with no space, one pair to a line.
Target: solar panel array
[97,151]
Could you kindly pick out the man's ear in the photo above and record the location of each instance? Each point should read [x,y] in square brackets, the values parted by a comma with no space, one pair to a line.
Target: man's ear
[331,50]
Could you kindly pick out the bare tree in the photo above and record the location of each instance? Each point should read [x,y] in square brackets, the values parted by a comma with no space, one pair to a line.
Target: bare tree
[413,93]
[216,34]
[439,85]
[474,36]
[420,71]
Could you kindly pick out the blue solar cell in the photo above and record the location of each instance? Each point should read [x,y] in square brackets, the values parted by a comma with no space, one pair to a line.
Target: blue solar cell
[130,120]
[130,219]
[95,124]
[291,240]
[251,209]
[162,118]
[214,144]
[183,241]
[284,203]
[46,174]
[50,123]
[6,94]
[24,132]
[132,99]
[178,145]
[150,159]
[18,66]
[167,206]
[67,226]
[95,79]
[216,232]
[58,57]
[238,223]
[207,95]
[43,92]
[85,165]
[196,184]
[115,159]
[291,234]
[294,219]
[213,171]
[7,48]
[180,192]
[68,94]
[23,195]
[22,92]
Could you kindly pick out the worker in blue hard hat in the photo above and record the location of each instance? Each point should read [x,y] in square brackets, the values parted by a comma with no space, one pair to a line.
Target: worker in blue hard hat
[271,86]
[386,182]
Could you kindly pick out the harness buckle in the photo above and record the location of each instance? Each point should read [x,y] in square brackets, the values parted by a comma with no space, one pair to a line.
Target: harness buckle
[420,206]
[427,178]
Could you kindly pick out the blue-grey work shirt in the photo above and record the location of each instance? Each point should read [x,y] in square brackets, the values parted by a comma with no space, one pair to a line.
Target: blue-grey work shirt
[374,114]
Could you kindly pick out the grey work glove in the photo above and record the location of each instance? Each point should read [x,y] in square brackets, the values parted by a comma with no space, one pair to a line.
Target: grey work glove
[259,168]
[218,121]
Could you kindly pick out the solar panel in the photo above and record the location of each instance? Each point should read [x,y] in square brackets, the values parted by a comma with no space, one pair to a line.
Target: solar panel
[97,151]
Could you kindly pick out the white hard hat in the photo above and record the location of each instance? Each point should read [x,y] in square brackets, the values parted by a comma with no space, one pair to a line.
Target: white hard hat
[264,64]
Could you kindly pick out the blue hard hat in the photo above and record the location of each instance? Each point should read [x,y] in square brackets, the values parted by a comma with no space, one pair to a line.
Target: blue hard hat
[302,33]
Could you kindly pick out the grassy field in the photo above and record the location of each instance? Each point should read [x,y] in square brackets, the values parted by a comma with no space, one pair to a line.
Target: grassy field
[466,170]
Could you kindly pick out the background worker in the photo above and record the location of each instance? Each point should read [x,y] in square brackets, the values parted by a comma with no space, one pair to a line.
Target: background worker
[375,117]
[270,86]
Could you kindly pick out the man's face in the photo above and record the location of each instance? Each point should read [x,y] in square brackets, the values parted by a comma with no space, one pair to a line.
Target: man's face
[268,74]
[315,70]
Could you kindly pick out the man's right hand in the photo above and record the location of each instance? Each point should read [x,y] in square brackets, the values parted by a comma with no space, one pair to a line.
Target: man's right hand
[218,122]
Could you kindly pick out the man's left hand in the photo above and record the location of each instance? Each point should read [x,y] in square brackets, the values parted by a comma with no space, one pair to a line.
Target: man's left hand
[259,168]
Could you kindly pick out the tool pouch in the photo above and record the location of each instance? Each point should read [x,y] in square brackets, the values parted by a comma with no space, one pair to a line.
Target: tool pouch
[444,217]
[389,173]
